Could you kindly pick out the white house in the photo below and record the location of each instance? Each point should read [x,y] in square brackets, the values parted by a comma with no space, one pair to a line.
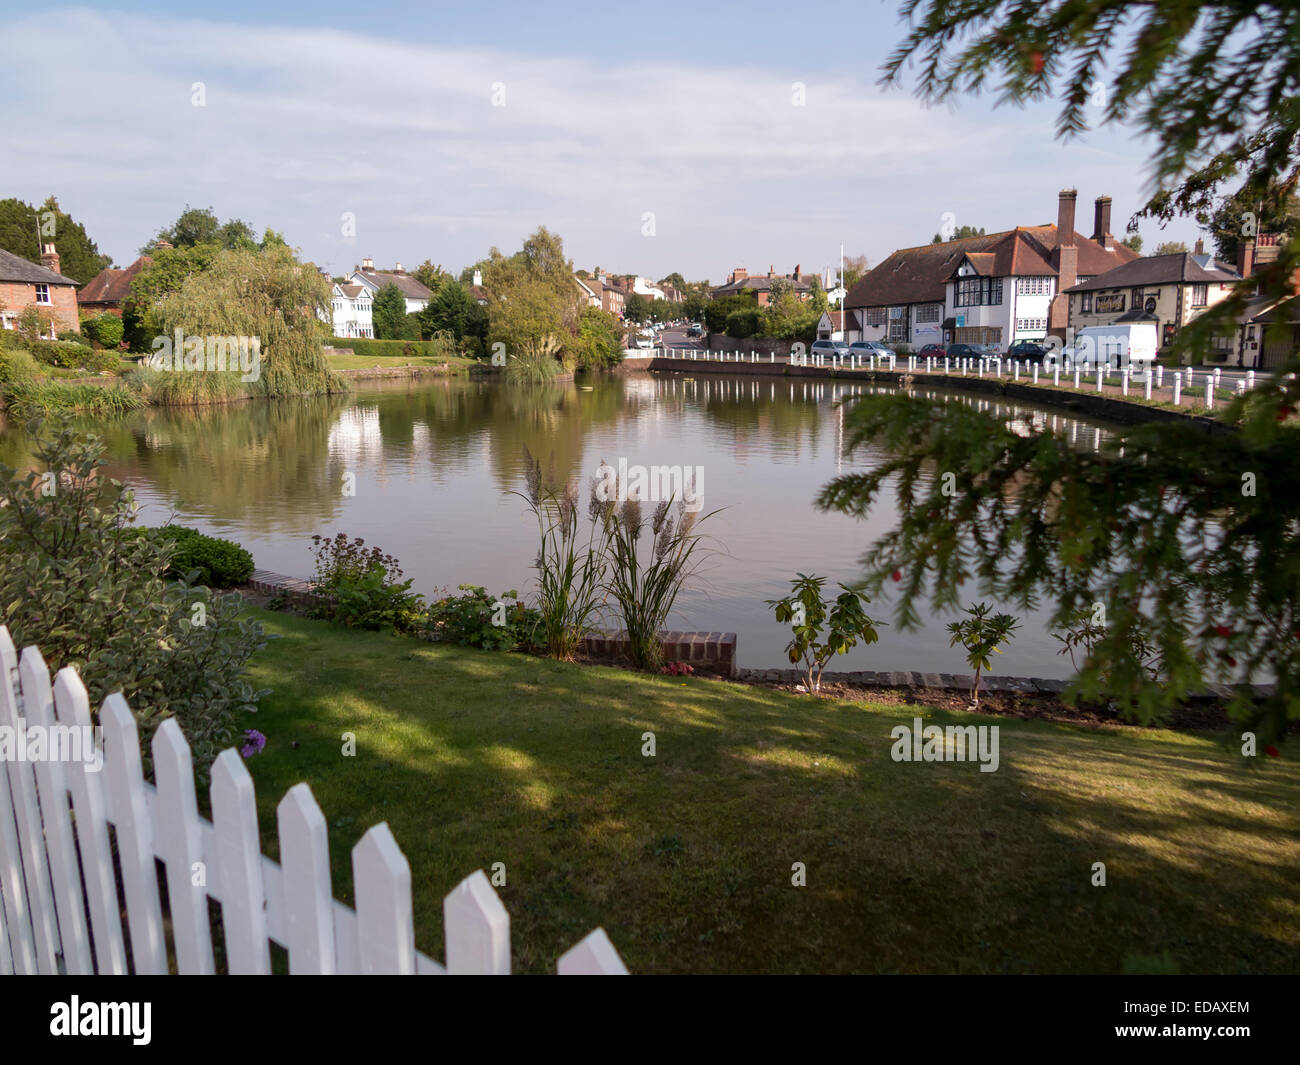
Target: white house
[372,280]
[643,287]
[993,289]
[352,311]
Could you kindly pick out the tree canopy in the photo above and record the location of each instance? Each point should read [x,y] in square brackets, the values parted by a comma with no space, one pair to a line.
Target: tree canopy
[24,228]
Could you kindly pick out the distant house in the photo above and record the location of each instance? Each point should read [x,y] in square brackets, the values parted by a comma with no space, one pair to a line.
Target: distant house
[613,297]
[351,306]
[372,280]
[1269,329]
[740,281]
[1167,290]
[476,290]
[107,290]
[590,289]
[24,284]
[991,289]
[831,326]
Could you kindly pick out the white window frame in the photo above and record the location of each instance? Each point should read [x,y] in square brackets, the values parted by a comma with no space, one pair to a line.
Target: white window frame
[43,290]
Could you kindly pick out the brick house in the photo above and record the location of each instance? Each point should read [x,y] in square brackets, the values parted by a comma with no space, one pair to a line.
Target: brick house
[24,284]
[740,281]
[109,288]
[992,289]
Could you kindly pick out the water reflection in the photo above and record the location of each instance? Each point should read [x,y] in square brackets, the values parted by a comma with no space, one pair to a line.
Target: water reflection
[433,465]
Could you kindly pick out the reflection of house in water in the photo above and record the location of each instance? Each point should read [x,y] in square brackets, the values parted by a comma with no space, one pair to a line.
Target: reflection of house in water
[355,434]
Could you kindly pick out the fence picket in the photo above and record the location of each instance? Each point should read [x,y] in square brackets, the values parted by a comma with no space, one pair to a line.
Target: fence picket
[60,842]
[381,877]
[72,707]
[305,859]
[476,928]
[237,861]
[180,847]
[594,956]
[125,803]
[56,863]
[27,819]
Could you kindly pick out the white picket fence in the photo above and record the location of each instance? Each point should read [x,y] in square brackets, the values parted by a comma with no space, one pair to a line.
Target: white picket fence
[59,904]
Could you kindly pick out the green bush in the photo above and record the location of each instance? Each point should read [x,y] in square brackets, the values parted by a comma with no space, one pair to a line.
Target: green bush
[70,336]
[363,589]
[438,347]
[61,353]
[475,619]
[16,366]
[96,600]
[105,329]
[742,324]
[203,559]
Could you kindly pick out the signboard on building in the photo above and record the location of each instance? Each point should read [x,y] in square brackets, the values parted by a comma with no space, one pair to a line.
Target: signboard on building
[1107,304]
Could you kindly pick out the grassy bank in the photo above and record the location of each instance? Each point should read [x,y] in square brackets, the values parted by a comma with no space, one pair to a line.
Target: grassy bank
[685,858]
[455,364]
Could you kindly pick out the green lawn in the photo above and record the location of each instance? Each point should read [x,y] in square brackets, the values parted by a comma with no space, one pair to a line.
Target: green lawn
[456,363]
[685,858]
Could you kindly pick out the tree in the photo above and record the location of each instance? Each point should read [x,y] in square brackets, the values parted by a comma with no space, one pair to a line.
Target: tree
[430,276]
[676,280]
[1134,242]
[808,614]
[599,343]
[1248,212]
[1189,538]
[448,311]
[1170,247]
[200,225]
[389,313]
[855,268]
[693,306]
[24,228]
[636,308]
[960,233]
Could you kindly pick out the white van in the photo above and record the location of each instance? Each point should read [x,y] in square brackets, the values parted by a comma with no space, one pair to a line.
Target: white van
[1113,347]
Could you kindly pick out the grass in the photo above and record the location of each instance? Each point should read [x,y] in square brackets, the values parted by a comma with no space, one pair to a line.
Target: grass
[685,858]
[456,363]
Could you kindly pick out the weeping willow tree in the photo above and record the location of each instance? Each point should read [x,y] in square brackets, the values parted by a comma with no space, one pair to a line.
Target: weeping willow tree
[250,324]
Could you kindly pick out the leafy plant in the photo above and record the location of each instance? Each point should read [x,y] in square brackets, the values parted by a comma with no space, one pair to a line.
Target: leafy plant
[96,600]
[808,614]
[362,588]
[570,573]
[980,635]
[203,559]
[105,329]
[1087,634]
[476,619]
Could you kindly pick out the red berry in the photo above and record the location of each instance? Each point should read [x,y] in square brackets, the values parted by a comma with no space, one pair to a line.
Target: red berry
[1231,661]
[1222,630]
[1036,62]
[897,575]
[1271,751]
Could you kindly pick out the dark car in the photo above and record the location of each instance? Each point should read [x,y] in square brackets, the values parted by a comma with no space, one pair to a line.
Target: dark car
[932,351]
[692,332]
[971,351]
[1027,351]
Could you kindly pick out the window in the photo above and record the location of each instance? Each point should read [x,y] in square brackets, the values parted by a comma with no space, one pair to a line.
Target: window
[1198,295]
[1085,302]
[929,312]
[43,293]
[876,316]
[898,329]
[1034,286]
[979,292]
[1137,298]
[1031,325]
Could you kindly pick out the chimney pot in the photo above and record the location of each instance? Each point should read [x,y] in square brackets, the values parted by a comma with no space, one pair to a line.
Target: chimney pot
[478,277]
[1101,223]
[367,264]
[1246,257]
[49,257]
[1200,246]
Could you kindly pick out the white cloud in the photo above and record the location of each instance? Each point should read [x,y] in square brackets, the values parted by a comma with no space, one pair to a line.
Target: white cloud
[302,124]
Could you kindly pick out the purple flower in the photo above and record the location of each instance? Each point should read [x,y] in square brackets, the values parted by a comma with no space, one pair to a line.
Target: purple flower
[255,741]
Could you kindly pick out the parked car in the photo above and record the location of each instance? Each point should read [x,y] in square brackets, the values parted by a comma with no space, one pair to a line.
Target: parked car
[830,348]
[932,351]
[1027,351]
[871,347]
[693,331]
[645,342]
[970,351]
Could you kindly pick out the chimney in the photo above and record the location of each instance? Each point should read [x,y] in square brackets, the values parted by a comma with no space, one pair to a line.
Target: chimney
[1065,218]
[1200,246]
[1246,257]
[49,257]
[398,269]
[367,264]
[1101,223]
[739,274]
[796,271]
[478,278]
[163,244]
[771,269]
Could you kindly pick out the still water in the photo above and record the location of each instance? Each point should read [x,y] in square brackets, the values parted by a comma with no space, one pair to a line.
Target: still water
[434,465]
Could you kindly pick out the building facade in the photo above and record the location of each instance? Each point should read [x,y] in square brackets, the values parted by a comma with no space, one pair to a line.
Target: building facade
[23,284]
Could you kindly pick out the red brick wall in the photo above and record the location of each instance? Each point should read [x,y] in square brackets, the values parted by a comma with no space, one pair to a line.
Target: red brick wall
[15,295]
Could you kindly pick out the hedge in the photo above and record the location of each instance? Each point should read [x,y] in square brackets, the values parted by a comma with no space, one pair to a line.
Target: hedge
[392,348]
[220,563]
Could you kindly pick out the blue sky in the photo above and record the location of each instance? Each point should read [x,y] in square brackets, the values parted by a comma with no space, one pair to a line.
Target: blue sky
[674,137]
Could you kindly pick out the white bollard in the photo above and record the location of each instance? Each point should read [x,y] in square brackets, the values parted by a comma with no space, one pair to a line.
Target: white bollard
[1241,386]
[1123,382]
[1099,377]
[1076,376]
[1178,390]
[945,364]
[1035,373]
[1209,392]
[1146,391]
[1250,379]
[1160,377]
[1015,370]
[1056,375]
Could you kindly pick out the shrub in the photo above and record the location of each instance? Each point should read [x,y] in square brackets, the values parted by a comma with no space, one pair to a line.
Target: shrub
[105,329]
[980,635]
[438,347]
[808,613]
[71,336]
[202,559]
[42,398]
[476,619]
[60,353]
[96,600]
[362,588]
[34,323]
[742,324]
[16,366]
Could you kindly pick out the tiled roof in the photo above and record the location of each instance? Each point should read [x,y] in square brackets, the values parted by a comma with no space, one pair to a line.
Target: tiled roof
[1160,270]
[762,283]
[111,285]
[16,268]
[410,288]
[351,291]
[919,275]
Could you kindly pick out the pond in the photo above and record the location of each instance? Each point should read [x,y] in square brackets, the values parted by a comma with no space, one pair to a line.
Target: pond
[433,464]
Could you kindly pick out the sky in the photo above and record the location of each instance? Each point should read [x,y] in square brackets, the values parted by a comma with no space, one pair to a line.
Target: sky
[689,137]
